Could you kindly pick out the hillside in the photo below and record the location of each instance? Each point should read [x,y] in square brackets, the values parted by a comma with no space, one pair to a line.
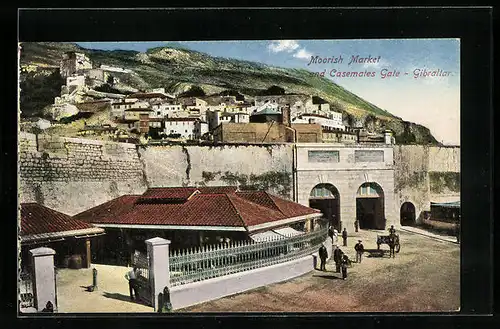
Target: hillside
[177,69]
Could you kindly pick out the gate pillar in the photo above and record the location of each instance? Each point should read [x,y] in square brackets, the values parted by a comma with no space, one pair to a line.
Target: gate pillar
[44,285]
[159,267]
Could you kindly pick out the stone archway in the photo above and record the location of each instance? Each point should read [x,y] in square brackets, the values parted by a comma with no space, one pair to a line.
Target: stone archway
[407,214]
[326,197]
[370,210]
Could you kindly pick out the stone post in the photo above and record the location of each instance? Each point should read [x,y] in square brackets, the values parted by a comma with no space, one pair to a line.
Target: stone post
[44,283]
[159,269]
[88,254]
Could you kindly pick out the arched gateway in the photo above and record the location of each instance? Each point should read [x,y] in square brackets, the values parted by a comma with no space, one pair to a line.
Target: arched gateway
[326,197]
[407,214]
[370,210]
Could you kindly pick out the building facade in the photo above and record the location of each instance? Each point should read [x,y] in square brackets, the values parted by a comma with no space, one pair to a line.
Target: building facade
[348,183]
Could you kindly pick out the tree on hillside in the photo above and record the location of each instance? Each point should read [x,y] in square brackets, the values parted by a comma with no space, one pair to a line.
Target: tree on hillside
[38,91]
[273,90]
[194,91]
[232,92]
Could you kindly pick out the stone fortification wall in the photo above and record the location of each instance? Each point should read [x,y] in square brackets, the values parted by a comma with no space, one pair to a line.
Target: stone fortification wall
[268,166]
[72,175]
[423,174]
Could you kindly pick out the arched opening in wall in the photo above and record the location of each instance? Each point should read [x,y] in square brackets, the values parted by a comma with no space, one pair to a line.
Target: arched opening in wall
[370,211]
[326,198]
[407,214]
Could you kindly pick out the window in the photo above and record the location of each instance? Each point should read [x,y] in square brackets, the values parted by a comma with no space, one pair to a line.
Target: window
[369,156]
[323,156]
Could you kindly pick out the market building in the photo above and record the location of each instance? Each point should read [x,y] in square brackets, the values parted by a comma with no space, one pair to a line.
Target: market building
[192,217]
[69,237]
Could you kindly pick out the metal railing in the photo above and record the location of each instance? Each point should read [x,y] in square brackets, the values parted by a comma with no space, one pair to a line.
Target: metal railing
[26,295]
[213,261]
[141,261]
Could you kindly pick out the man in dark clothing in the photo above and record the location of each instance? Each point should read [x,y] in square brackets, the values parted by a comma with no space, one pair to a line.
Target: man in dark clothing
[359,251]
[323,255]
[356,225]
[337,258]
[330,232]
[345,261]
[392,230]
[344,237]
[457,230]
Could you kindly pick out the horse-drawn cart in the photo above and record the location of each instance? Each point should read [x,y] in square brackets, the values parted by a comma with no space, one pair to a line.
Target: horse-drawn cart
[388,239]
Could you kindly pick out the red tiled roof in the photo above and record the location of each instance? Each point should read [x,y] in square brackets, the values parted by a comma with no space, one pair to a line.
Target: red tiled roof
[292,209]
[286,207]
[38,219]
[197,206]
[114,209]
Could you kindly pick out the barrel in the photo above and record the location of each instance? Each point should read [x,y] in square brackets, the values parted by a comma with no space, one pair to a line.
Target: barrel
[75,262]
[65,262]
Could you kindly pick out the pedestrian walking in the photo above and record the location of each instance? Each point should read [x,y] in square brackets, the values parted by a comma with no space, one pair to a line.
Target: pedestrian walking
[359,251]
[131,276]
[457,230]
[356,225]
[392,230]
[345,261]
[330,232]
[344,237]
[323,255]
[337,258]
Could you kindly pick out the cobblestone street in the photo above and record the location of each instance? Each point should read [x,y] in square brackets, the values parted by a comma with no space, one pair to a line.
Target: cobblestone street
[424,277]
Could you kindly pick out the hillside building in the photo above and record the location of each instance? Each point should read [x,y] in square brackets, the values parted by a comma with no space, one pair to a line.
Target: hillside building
[73,63]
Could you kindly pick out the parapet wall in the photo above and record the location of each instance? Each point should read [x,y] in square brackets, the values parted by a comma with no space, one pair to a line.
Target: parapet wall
[423,174]
[71,174]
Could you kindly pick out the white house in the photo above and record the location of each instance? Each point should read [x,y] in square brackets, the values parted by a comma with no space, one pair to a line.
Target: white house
[118,108]
[186,127]
[332,122]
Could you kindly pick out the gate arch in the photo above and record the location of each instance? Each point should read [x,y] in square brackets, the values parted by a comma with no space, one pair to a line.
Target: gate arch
[370,209]
[407,214]
[326,197]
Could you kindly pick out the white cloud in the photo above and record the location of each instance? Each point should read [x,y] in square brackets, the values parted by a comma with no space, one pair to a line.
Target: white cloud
[302,54]
[283,45]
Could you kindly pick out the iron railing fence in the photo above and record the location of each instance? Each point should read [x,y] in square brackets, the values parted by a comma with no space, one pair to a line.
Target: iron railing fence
[141,261]
[26,294]
[213,261]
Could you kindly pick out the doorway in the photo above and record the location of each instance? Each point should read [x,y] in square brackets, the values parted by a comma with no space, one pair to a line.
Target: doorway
[370,211]
[326,198]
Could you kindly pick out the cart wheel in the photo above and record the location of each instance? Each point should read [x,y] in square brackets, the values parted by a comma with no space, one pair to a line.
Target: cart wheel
[398,247]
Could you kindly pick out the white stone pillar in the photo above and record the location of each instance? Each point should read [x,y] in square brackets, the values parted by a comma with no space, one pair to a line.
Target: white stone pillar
[44,283]
[159,270]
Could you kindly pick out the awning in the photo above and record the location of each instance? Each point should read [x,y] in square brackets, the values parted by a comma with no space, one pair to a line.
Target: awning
[265,236]
[446,204]
[287,231]
[278,233]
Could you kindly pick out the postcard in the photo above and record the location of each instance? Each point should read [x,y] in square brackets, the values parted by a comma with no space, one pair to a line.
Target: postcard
[239,176]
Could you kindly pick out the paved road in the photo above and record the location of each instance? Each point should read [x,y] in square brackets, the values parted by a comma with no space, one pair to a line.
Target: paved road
[424,277]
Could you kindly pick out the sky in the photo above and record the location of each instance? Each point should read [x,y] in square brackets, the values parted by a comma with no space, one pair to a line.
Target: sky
[433,101]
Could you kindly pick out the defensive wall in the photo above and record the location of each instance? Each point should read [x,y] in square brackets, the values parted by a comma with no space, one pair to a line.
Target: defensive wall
[72,175]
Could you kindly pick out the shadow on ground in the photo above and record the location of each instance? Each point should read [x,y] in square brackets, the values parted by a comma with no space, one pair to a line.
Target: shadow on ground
[121,297]
[326,276]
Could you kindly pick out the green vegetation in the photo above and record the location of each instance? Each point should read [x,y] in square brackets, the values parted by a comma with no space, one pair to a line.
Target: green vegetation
[38,91]
[178,69]
[444,181]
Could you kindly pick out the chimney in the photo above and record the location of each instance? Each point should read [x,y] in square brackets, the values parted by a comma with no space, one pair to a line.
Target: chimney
[388,137]
[285,115]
